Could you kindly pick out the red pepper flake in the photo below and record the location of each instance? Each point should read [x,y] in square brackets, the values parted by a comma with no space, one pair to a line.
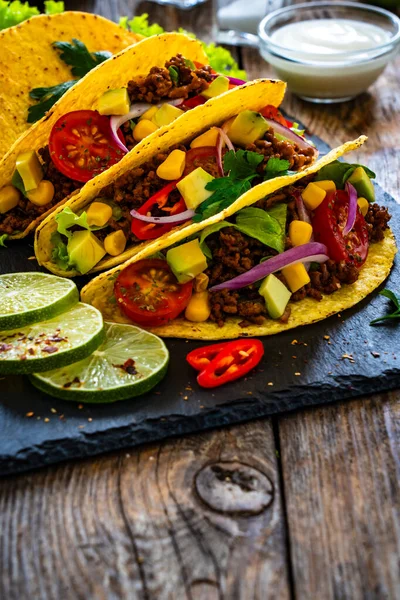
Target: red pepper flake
[50,349]
[55,338]
[128,367]
[31,351]
[5,347]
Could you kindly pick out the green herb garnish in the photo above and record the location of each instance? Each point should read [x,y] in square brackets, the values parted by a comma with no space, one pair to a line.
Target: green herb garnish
[395,314]
[3,240]
[47,97]
[339,172]
[276,167]
[174,74]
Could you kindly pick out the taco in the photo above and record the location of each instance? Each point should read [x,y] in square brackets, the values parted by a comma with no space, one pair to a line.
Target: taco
[281,256]
[28,59]
[166,183]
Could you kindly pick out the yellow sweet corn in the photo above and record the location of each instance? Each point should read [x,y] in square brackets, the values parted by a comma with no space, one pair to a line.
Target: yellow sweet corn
[327,185]
[173,166]
[363,205]
[300,232]
[143,129]
[43,194]
[115,243]
[98,214]
[296,276]
[209,138]
[198,310]
[313,195]
[149,114]
[9,198]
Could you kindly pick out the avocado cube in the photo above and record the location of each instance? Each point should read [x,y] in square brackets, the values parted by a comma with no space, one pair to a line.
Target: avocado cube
[217,87]
[363,184]
[114,102]
[248,127]
[193,187]
[84,250]
[30,169]
[166,114]
[187,261]
[276,296]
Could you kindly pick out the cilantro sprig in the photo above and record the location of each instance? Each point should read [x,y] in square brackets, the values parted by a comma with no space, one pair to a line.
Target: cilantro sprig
[75,55]
[242,167]
[391,316]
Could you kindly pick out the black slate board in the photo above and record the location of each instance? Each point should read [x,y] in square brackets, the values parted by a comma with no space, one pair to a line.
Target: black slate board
[179,406]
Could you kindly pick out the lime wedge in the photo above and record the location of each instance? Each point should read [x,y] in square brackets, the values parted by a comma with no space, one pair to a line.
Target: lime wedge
[31,297]
[50,344]
[130,362]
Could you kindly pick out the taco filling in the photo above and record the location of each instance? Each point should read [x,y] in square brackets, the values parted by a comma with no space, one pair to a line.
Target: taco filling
[307,239]
[190,181]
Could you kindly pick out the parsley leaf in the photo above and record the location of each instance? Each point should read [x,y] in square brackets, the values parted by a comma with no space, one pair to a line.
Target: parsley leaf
[47,97]
[242,163]
[79,58]
[3,240]
[395,314]
[276,167]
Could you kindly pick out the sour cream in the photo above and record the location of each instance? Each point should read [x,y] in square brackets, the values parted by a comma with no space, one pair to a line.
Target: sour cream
[328,60]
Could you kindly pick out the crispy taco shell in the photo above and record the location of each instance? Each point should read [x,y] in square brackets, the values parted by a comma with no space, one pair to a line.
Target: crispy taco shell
[99,292]
[252,96]
[28,60]
[113,73]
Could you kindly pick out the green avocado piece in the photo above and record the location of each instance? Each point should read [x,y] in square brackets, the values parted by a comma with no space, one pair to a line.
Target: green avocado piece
[187,261]
[29,169]
[217,87]
[248,127]
[276,296]
[363,184]
[114,102]
[84,250]
[193,187]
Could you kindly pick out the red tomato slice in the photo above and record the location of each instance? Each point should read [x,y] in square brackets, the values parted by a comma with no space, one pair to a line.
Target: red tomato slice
[271,112]
[193,102]
[148,293]
[232,360]
[81,145]
[328,223]
[205,156]
[151,231]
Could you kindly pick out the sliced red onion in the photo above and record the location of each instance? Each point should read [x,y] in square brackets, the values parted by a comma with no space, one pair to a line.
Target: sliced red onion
[179,218]
[135,111]
[225,137]
[232,80]
[301,209]
[291,135]
[352,212]
[311,252]
[222,138]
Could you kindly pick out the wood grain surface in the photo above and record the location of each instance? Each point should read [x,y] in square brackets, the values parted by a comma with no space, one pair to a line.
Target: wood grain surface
[301,506]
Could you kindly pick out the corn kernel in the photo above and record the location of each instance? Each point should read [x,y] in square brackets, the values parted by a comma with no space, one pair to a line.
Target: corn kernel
[149,114]
[363,205]
[98,214]
[115,243]
[9,198]
[327,185]
[313,196]
[198,310]
[300,232]
[173,166]
[143,129]
[296,276]
[43,194]
[209,138]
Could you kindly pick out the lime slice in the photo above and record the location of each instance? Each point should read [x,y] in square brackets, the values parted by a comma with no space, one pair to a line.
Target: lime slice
[50,344]
[31,297]
[130,362]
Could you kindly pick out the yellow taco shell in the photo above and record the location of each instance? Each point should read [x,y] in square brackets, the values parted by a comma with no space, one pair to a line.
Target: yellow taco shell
[28,60]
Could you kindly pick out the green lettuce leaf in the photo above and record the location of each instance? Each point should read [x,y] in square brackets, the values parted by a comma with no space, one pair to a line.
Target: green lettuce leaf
[339,172]
[59,253]
[67,219]
[53,8]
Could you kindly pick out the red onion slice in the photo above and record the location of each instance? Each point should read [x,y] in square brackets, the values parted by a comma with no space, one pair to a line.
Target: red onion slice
[311,252]
[352,212]
[135,111]
[291,135]
[179,218]
[221,139]
[301,209]
[232,80]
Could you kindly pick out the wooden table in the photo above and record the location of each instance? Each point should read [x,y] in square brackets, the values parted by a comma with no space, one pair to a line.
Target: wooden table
[142,523]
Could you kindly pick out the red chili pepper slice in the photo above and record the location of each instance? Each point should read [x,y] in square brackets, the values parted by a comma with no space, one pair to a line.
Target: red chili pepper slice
[201,357]
[232,360]
[151,231]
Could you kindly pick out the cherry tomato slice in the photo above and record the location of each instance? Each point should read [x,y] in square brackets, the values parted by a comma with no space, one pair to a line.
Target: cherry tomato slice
[271,112]
[234,360]
[151,231]
[148,293]
[328,223]
[193,102]
[205,157]
[81,145]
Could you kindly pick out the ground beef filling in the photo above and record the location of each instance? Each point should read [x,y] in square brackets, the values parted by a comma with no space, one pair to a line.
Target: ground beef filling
[158,84]
[19,218]
[270,147]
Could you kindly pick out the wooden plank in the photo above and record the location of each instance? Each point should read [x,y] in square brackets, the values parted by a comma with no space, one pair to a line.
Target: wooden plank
[197,518]
[341,469]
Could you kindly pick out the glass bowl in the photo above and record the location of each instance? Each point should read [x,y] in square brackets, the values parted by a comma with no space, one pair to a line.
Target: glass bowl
[331,76]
